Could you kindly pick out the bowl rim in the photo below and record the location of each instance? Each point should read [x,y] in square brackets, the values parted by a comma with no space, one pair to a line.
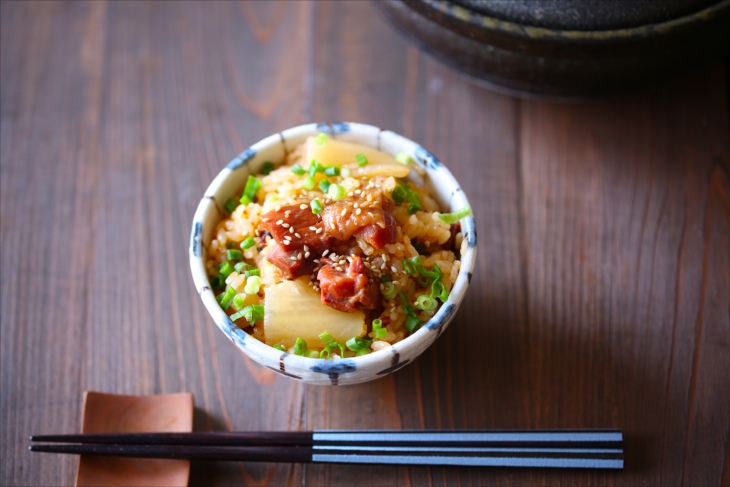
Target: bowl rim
[246,342]
[464,15]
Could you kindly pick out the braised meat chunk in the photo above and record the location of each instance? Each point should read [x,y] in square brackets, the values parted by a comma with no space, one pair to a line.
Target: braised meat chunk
[298,234]
[294,226]
[366,215]
[347,287]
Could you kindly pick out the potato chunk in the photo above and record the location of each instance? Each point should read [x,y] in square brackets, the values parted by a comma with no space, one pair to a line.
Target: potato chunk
[292,309]
[339,153]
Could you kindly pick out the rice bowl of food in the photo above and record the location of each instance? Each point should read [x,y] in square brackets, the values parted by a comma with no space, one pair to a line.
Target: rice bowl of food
[333,253]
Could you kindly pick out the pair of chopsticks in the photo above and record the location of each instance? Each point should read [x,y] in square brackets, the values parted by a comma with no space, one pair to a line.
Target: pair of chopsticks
[559,449]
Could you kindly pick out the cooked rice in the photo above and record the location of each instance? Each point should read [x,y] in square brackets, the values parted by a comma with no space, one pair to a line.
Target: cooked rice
[282,187]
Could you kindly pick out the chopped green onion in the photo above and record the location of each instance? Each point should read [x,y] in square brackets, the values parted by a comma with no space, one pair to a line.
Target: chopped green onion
[455,216]
[225,269]
[253,284]
[438,290]
[364,351]
[237,302]
[252,272]
[356,344]
[327,338]
[237,316]
[385,278]
[324,185]
[389,290]
[321,139]
[227,298]
[230,205]
[377,323]
[253,184]
[242,266]
[234,255]
[381,333]
[403,192]
[412,324]
[398,195]
[426,303]
[248,243]
[361,159]
[414,203]
[309,183]
[345,172]
[314,168]
[267,168]
[331,171]
[331,342]
[325,353]
[411,265]
[403,158]
[297,169]
[316,206]
[337,192]
[280,348]
[300,346]
[407,306]
[217,281]
[254,313]
[312,354]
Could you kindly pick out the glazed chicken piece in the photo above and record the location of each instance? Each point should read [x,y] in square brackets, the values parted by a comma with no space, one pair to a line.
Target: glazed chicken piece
[367,216]
[347,288]
[297,242]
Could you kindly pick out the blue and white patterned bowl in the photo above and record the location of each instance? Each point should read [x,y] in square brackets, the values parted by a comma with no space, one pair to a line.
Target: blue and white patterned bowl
[233,177]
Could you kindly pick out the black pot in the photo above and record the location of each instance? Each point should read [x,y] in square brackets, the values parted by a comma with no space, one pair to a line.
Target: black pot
[567,48]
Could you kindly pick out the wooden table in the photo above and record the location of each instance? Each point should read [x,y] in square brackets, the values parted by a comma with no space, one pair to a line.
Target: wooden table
[603,280]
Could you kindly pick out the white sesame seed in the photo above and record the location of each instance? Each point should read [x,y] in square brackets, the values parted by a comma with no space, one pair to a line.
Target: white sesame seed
[357,191]
[392,268]
[327,251]
[293,257]
[287,213]
[343,212]
[306,255]
[265,219]
[319,230]
[306,249]
[314,229]
[381,287]
[302,206]
[297,235]
[358,211]
[279,222]
[299,257]
[339,269]
[370,213]
[382,267]
[285,225]
[291,229]
[356,205]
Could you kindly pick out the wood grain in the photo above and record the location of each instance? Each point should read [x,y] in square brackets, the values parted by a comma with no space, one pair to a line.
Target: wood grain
[603,284]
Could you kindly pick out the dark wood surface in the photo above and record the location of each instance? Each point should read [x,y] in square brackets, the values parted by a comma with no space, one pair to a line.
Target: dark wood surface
[601,296]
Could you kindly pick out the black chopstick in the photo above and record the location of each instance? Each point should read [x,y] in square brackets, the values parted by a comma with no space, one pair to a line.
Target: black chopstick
[567,449]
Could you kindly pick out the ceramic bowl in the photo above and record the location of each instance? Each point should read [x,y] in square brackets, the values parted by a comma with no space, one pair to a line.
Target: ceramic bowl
[231,180]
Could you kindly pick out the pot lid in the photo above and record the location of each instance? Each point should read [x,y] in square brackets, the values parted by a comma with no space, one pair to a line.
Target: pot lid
[585,15]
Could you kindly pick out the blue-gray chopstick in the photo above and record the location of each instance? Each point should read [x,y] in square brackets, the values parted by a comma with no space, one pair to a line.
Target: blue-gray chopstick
[558,449]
